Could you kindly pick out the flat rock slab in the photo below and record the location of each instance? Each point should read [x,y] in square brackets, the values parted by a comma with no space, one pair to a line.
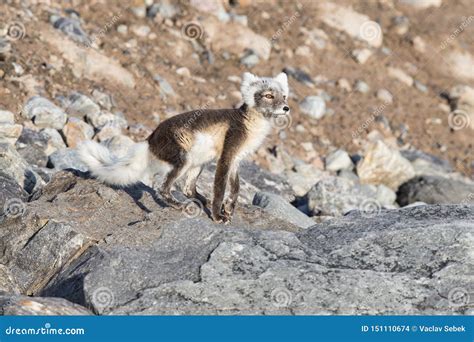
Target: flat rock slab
[435,189]
[16,305]
[406,261]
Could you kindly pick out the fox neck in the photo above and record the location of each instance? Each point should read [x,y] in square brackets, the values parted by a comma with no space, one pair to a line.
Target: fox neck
[253,112]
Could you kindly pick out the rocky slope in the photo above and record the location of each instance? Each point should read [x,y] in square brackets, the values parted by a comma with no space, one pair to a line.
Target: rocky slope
[367,212]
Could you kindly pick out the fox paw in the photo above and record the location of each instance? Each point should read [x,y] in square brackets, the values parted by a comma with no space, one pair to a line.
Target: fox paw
[223,217]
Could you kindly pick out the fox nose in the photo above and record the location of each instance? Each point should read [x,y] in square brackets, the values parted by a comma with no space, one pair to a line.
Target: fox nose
[286,108]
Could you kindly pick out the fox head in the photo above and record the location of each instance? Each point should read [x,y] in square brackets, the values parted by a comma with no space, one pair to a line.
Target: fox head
[267,95]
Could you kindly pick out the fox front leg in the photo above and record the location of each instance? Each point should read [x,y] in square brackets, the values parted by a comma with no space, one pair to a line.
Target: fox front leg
[231,201]
[220,183]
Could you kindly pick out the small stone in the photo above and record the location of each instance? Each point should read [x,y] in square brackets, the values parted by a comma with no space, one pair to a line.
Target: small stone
[355,24]
[109,130]
[103,100]
[384,165]
[139,11]
[299,75]
[122,29]
[77,131]
[7,117]
[165,9]
[317,37]
[420,86]
[337,196]
[313,106]
[384,95]
[361,87]
[385,195]
[18,69]
[300,128]
[338,160]
[44,113]
[141,30]
[234,79]
[183,71]
[419,44]
[80,105]
[165,88]
[66,158]
[100,119]
[72,28]
[250,60]
[278,207]
[9,133]
[344,84]
[422,4]
[241,19]
[400,24]
[54,140]
[400,75]
[361,55]
[303,50]
[13,165]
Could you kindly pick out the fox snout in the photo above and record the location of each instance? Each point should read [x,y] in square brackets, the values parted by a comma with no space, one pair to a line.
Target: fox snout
[286,109]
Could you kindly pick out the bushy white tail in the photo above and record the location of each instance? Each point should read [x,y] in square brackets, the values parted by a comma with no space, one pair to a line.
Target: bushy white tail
[110,169]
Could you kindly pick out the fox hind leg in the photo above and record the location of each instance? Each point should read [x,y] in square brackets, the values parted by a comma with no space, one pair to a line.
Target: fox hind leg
[178,170]
[190,189]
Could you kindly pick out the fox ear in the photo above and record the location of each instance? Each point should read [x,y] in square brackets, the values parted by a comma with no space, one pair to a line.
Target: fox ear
[282,79]
[247,89]
[248,78]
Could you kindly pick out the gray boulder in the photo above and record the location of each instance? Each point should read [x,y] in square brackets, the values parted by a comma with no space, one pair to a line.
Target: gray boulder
[427,164]
[277,206]
[66,158]
[12,196]
[32,146]
[79,105]
[13,165]
[44,113]
[435,190]
[336,196]
[36,259]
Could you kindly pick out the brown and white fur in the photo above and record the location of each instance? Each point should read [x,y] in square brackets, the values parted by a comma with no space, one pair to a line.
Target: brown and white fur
[188,141]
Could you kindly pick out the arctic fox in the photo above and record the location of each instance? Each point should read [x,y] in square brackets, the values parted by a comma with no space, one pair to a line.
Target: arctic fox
[186,142]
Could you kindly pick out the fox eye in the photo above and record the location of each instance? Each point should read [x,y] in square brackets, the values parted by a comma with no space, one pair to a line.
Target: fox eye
[269,96]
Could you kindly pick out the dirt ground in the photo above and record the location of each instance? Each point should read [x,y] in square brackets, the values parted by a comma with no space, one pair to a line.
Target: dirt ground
[416,118]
